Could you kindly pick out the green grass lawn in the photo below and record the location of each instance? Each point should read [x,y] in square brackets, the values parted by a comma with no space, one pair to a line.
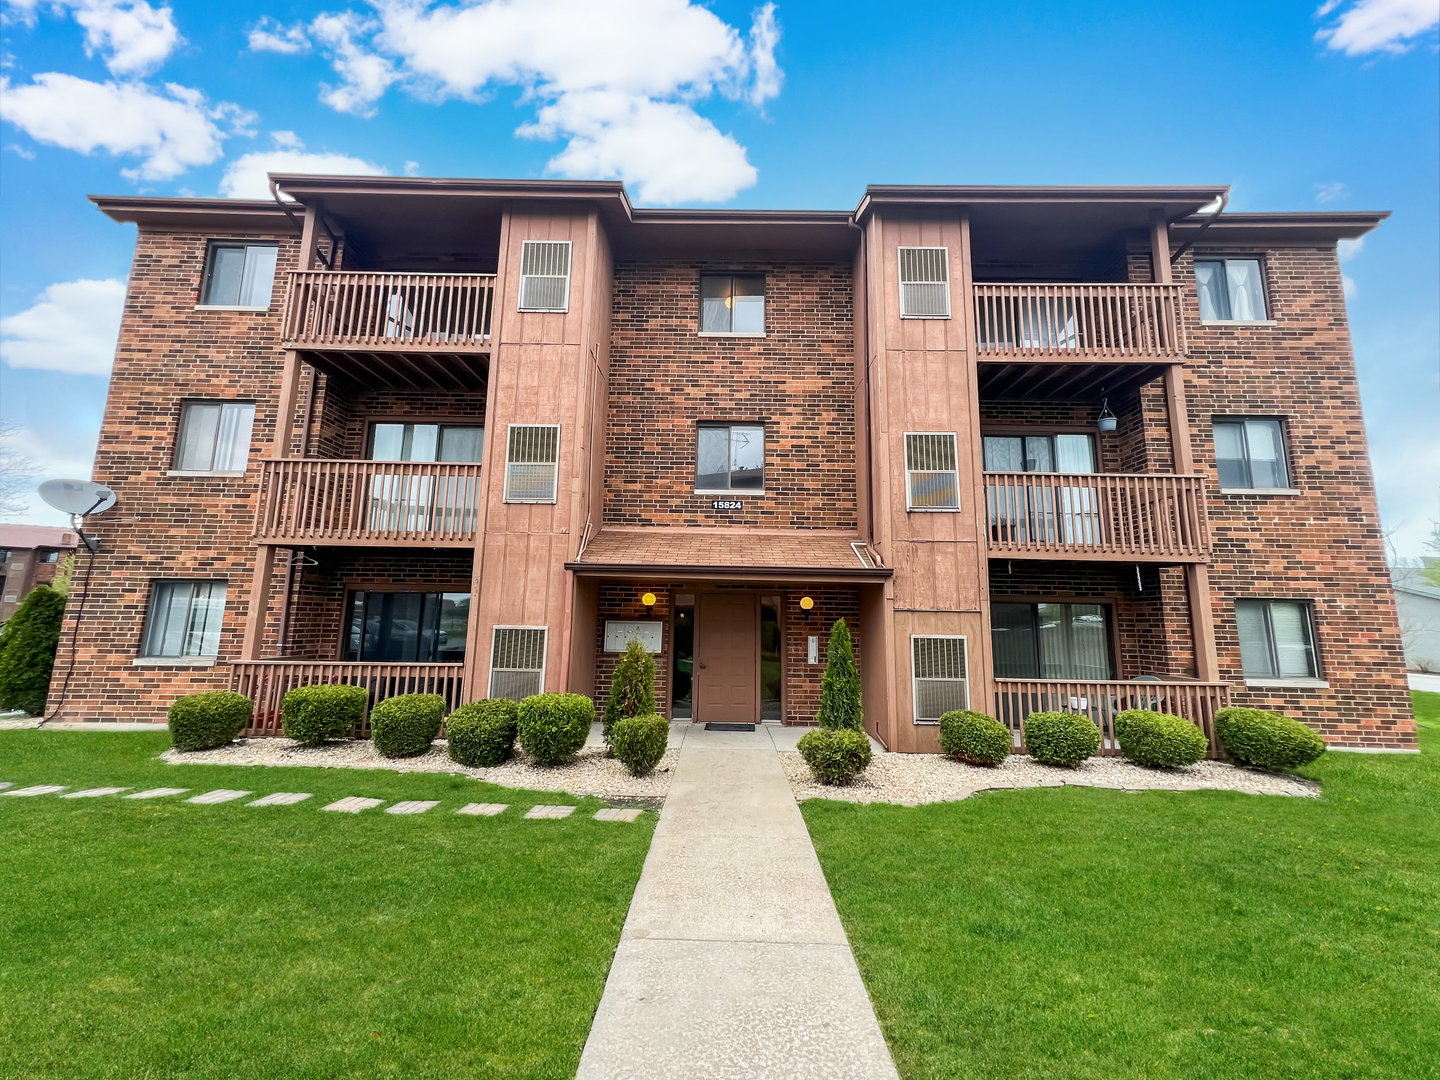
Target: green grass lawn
[163,940]
[1090,933]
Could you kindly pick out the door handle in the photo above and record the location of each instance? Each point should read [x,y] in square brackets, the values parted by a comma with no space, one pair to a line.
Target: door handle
[702,665]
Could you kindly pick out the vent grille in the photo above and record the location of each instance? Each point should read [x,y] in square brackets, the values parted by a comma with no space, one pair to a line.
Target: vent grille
[925,283]
[939,672]
[532,461]
[932,476]
[545,275]
[517,662]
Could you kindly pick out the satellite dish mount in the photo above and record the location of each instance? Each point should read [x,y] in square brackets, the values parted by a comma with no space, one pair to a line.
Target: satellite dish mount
[80,499]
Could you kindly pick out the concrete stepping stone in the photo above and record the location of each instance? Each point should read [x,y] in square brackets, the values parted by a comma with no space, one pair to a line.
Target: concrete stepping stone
[412,806]
[281,798]
[94,792]
[549,811]
[353,805]
[484,809]
[158,793]
[219,795]
[6,783]
[616,813]
[37,789]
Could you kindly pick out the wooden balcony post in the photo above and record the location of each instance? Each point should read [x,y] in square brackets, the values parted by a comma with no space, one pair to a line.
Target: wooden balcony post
[259,601]
[1159,248]
[310,237]
[289,397]
[1179,419]
[1202,622]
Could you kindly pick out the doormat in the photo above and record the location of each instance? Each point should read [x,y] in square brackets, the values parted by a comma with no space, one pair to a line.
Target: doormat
[729,727]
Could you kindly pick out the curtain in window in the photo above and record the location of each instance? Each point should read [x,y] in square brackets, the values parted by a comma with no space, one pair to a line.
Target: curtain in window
[712,463]
[227,271]
[258,279]
[1292,641]
[1247,299]
[197,440]
[1089,645]
[1210,284]
[232,440]
[1004,453]
[1255,657]
[185,618]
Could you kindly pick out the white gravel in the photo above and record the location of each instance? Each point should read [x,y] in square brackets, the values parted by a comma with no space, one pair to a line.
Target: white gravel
[912,779]
[592,772]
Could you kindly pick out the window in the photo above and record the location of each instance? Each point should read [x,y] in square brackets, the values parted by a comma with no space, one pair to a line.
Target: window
[185,618]
[924,283]
[730,457]
[1040,453]
[932,479]
[1051,641]
[732,304]
[545,275]
[425,442]
[938,674]
[682,697]
[771,662]
[517,662]
[407,627]
[240,275]
[214,436]
[49,556]
[1250,454]
[1277,640]
[1231,290]
[532,463]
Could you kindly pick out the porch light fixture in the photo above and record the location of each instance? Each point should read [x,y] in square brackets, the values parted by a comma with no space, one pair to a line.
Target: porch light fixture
[648,599]
[1107,419]
[806,603]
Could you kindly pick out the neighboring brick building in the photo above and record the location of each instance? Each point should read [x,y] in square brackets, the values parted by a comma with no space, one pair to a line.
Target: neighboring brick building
[29,556]
[1039,447]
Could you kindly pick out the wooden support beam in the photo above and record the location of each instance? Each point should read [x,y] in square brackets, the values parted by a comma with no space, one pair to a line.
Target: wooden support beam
[310,237]
[285,414]
[259,601]
[1202,622]
[1179,419]
[1159,248]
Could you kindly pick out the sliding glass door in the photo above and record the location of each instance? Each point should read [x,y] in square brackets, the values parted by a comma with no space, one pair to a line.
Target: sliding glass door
[1051,641]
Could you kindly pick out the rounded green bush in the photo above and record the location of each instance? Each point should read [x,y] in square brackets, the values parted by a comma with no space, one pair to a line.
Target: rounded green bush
[406,725]
[552,727]
[1267,739]
[974,737]
[312,714]
[639,741]
[1159,739]
[1061,738]
[482,733]
[835,755]
[202,721]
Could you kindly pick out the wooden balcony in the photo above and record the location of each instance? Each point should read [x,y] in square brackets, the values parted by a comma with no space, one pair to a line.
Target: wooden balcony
[310,501]
[1198,702]
[1129,517]
[266,683]
[1066,323]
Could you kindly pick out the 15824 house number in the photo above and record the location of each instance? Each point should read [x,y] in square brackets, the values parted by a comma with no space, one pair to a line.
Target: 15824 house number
[727,504]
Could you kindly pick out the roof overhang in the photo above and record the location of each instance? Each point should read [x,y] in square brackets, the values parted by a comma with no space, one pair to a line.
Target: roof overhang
[1172,201]
[1305,229]
[200,215]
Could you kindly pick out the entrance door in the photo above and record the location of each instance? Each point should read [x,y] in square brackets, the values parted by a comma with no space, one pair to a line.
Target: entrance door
[727,691]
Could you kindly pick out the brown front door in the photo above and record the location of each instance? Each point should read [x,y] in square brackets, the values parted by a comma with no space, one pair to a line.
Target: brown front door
[726,675]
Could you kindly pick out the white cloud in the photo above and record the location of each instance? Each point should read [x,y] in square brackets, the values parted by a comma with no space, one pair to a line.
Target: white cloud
[65,450]
[1331,192]
[71,327]
[171,131]
[412,168]
[365,75]
[133,36]
[270,35]
[1348,249]
[247,178]
[1368,26]
[1348,286]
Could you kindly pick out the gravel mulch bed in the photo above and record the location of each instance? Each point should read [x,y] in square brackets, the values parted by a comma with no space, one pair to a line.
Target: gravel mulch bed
[912,779]
[592,773]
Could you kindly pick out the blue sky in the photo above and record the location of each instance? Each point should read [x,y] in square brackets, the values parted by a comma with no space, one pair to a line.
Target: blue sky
[732,104]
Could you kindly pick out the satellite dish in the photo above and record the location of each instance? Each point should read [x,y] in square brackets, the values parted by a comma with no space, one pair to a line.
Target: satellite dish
[78,497]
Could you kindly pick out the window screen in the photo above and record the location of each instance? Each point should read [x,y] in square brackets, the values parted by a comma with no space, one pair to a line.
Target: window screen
[1231,290]
[730,457]
[1277,639]
[517,662]
[732,304]
[215,436]
[532,463]
[545,275]
[924,283]
[1250,454]
[185,618]
[240,275]
[932,476]
[939,673]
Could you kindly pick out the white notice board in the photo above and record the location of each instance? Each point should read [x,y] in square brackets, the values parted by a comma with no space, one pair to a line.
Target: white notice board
[618,634]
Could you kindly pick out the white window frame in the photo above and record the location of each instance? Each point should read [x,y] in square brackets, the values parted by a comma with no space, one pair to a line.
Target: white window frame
[914,679]
[555,488]
[1225,258]
[901,282]
[905,446]
[544,655]
[569,270]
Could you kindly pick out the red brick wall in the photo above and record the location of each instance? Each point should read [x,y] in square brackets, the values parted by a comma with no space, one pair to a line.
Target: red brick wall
[802,679]
[798,380]
[344,412]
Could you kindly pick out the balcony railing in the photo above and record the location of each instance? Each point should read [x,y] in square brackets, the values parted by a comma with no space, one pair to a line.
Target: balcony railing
[401,503]
[266,683]
[379,311]
[1063,322]
[1149,517]
[1198,702]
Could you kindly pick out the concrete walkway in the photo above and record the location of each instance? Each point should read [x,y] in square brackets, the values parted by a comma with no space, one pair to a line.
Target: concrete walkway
[733,963]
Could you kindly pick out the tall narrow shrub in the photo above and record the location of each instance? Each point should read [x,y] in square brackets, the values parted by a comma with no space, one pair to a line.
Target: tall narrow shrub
[840,687]
[27,650]
[632,687]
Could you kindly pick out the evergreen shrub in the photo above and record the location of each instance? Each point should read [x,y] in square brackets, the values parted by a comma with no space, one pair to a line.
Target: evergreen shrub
[840,705]
[632,686]
[974,737]
[312,714]
[1267,739]
[553,727]
[835,755]
[1061,738]
[27,650]
[406,725]
[1159,739]
[203,721]
[639,741]
[482,733]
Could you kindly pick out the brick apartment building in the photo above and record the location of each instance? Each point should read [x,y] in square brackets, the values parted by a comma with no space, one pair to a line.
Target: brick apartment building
[29,556]
[1085,448]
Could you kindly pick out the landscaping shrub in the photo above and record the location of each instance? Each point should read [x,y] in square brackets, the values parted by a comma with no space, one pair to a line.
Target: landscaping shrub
[974,737]
[552,727]
[407,724]
[1267,739]
[632,687]
[1061,738]
[835,756]
[1159,739]
[202,721]
[840,686]
[27,650]
[482,733]
[312,714]
[639,741]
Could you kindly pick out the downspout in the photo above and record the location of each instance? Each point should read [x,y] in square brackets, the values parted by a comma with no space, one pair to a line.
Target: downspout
[1224,201]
